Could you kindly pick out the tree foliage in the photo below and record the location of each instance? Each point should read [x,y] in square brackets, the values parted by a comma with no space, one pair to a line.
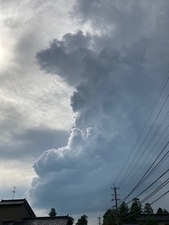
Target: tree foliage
[132,215]
[151,220]
[148,209]
[109,218]
[124,212]
[52,212]
[165,211]
[123,209]
[83,220]
[136,209]
[160,211]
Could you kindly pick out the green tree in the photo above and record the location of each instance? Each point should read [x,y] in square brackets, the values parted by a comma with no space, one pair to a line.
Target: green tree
[136,209]
[165,211]
[109,218]
[160,211]
[83,220]
[123,212]
[148,209]
[52,212]
[151,220]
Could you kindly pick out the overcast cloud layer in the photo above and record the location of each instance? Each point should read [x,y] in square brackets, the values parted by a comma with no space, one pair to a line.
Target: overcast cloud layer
[35,114]
[77,82]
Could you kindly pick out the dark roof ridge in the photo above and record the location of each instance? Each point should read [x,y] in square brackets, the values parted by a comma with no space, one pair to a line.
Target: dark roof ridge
[14,200]
[159,214]
[46,217]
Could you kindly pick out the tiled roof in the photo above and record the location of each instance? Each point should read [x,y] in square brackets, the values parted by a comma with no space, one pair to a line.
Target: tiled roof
[45,221]
[159,217]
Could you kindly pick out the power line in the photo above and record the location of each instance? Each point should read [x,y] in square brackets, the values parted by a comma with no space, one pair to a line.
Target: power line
[156,190]
[144,142]
[151,184]
[163,159]
[151,172]
[157,149]
[159,197]
[148,170]
[162,87]
[149,144]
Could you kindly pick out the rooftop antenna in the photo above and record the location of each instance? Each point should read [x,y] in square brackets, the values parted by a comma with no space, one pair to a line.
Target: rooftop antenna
[14,191]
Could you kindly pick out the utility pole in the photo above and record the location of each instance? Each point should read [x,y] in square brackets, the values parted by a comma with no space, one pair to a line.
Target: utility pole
[116,199]
[99,220]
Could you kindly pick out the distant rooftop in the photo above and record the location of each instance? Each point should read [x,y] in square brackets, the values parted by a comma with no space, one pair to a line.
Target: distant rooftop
[58,220]
[159,217]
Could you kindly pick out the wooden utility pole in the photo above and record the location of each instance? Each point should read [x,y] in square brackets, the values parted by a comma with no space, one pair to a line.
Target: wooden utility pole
[116,199]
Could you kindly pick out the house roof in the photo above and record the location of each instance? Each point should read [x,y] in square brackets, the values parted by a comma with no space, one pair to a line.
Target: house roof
[159,217]
[59,220]
[130,223]
[13,202]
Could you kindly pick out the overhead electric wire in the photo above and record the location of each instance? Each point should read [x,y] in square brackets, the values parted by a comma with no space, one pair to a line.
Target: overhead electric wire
[157,156]
[142,179]
[149,144]
[150,185]
[106,204]
[158,165]
[151,172]
[160,197]
[162,87]
[100,204]
[156,190]
[144,141]
[148,173]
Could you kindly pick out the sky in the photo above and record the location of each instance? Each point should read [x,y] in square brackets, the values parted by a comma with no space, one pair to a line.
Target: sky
[78,83]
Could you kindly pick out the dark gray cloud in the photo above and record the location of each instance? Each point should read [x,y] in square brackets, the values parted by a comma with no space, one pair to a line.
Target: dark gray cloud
[65,57]
[119,22]
[115,87]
